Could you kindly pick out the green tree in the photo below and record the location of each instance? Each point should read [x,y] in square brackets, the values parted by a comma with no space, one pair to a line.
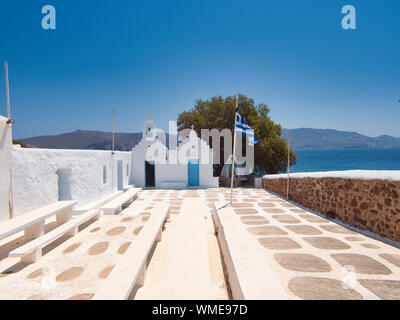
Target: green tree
[23,145]
[270,154]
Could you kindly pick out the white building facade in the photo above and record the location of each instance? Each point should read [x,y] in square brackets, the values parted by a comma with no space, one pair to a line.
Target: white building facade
[189,164]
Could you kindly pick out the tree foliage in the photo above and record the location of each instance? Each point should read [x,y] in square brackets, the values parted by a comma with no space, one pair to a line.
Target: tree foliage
[270,154]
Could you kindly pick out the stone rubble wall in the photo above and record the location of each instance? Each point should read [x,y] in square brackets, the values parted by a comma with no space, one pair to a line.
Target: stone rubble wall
[371,205]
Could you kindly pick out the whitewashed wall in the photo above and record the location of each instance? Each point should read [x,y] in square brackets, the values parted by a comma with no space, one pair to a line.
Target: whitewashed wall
[35,179]
[5,163]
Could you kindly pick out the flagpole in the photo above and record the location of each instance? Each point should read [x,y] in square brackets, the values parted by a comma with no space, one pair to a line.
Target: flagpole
[112,152]
[9,122]
[234,147]
[288,170]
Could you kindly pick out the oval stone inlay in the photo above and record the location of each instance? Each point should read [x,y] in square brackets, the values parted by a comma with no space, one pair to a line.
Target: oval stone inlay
[69,274]
[127,219]
[137,230]
[273,210]
[313,219]
[316,288]
[354,239]
[361,263]
[266,204]
[105,272]
[122,249]
[35,274]
[83,296]
[241,205]
[302,262]
[115,231]
[336,229]
[98,248]
[392,258]
[279,243]
[384,289]
[246,211]
[285,218]
[327,243]
[267,231]
[72,248]
[370,246]
[304,229]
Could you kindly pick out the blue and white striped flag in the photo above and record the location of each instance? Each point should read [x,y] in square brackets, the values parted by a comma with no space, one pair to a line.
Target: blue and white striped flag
[244,129]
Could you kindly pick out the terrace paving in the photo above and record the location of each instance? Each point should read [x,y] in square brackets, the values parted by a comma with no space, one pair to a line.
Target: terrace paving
[76,268]
[312,257]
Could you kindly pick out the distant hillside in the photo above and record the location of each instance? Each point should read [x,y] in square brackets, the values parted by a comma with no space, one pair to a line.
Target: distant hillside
[307,138]
[84,139]
[303,138]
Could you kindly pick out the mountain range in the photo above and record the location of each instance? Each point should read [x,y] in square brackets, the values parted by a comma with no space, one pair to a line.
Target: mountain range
[302,138]
[307,138]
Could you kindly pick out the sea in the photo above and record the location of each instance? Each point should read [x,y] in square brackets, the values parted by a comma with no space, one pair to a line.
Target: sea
[317,160]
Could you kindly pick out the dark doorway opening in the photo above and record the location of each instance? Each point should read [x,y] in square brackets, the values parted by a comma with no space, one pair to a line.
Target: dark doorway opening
[150,175]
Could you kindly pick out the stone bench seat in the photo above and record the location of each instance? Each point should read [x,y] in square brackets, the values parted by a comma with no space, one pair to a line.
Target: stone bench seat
[131,269]
[96,204]
[33,222]
[32,251]
[115,205]
[250,276]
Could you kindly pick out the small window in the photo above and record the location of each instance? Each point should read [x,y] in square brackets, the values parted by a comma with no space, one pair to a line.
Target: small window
[104,174]
[127,170]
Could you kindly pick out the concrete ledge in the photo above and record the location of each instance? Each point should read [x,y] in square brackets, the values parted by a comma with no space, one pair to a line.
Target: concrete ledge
[131,269]
[96,204]
[249,275]
[33,221]
[32,251]
[115,205]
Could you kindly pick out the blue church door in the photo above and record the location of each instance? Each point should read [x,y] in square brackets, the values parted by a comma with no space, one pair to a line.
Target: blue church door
[193,172]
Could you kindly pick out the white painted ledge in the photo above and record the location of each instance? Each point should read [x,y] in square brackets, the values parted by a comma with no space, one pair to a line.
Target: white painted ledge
[250,276]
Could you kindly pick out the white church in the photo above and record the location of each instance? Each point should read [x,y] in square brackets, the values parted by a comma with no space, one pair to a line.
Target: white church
[186,163]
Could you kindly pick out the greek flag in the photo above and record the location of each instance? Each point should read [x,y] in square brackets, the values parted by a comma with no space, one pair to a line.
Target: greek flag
[244,129]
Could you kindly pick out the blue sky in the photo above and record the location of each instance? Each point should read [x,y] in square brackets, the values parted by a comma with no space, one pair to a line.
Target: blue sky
[160,56]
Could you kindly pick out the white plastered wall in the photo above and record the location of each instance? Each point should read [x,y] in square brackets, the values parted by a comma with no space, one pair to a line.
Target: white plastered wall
[35,179]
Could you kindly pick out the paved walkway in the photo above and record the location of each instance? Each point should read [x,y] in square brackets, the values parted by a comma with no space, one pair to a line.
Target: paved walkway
[315,258]
[76,268]
[186,272]
[312,257]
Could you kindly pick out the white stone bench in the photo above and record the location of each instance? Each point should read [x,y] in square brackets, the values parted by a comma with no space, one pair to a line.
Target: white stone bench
[96,204]
[32,251]
[173,184]
[131,269]
[33,222]
[249,274]
[115,205]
